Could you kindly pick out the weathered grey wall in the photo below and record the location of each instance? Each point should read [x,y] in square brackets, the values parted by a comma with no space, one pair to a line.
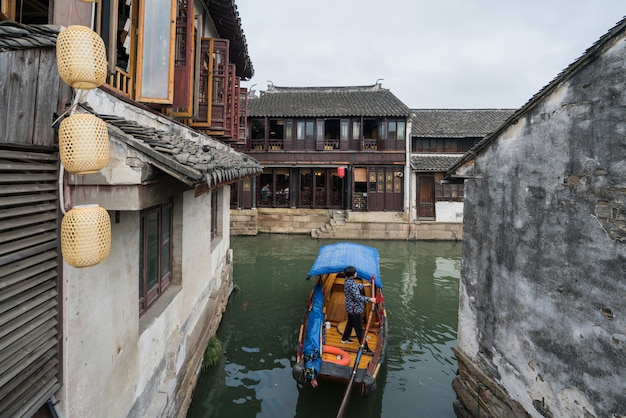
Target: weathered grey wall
[543,291]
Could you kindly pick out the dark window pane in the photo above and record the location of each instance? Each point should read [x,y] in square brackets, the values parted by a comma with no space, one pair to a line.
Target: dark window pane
[310,129]
[401,130]
[166,242]
[152,229]
[167,214]
[141,255]
[257,128]
[165,259]
[392,129]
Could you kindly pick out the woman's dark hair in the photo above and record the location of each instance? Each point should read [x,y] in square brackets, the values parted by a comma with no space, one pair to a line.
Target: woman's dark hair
[349,271]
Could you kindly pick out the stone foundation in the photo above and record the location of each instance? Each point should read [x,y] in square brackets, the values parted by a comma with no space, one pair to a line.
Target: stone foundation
[197,342]
[339,224]
[244,222]
[478,395]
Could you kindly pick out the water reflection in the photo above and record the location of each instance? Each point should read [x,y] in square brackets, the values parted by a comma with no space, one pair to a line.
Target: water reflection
[259,334]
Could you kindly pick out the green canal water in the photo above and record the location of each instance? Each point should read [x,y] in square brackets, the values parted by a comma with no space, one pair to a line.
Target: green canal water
[260,328]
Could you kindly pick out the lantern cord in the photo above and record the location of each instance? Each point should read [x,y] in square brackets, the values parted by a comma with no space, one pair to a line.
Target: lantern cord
[61,188]
[78,97]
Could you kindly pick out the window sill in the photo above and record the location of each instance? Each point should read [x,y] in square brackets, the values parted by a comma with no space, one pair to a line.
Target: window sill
[159,307]
[215,242]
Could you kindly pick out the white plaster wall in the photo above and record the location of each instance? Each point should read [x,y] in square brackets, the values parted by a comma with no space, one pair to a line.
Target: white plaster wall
[202,259]
[110,366]
[100,327]
[413,196]
[124,167]
[449,211]
[538,266]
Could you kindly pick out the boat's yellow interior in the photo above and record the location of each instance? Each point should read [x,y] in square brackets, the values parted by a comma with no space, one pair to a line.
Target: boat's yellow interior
[335,312]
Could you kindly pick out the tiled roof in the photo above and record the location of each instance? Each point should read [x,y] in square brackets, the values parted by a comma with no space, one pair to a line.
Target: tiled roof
[437,163]
[372,101]
[228,24]
[15,35]
[192,162]
[457,123]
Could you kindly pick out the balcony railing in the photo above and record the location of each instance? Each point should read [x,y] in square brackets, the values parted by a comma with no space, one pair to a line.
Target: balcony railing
[331,145]
[275,145]
[370,145]
[272,145]
[122,82]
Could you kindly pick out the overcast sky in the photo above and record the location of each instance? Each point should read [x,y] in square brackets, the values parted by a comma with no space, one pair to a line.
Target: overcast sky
[455,54]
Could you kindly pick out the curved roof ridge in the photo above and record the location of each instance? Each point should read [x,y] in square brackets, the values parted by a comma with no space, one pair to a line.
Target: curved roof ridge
[303,89]
[14,35]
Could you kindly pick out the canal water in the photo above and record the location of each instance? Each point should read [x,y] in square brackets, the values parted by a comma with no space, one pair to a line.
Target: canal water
[260,327]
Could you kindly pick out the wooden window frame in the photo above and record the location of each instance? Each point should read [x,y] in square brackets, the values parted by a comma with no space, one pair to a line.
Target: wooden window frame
[141,95]
[355,134]
[147,296]
[202,117]
[108,26]
[184,58]
[449,192]
[213,83]
[7,9]
[231,108]
[243,114]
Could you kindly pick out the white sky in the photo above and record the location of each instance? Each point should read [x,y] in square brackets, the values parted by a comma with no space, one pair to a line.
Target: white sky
[430,53]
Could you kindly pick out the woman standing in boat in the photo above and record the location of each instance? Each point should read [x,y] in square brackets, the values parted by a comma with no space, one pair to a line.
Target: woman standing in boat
[354,306]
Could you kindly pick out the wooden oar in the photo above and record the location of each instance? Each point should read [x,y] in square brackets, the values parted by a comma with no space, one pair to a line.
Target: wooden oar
[346,396]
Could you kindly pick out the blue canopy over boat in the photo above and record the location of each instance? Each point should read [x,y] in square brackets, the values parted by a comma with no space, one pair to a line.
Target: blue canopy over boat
[312,347]
[333,258]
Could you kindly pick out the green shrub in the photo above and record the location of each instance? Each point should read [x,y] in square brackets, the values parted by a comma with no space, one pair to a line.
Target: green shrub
[212,353]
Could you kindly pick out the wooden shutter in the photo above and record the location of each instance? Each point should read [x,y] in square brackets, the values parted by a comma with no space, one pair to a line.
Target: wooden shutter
[220,86]
[205,83]
[183,61]
[29,260]
[242,124]
[230,106]
[319,134]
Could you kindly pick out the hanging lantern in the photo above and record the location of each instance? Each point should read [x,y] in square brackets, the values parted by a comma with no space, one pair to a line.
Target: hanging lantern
[85,235]
[83,143]
[341,172]
[81,57]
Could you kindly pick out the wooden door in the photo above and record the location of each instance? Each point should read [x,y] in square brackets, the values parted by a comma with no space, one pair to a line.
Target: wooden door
[426,197]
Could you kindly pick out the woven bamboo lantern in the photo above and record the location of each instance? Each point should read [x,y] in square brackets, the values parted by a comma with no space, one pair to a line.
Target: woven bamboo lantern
[83,143]
[81,57]
[85,235]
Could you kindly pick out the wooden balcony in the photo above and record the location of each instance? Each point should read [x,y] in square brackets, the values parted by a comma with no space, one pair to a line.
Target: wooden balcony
[330,145]
[122,82]
[370,145]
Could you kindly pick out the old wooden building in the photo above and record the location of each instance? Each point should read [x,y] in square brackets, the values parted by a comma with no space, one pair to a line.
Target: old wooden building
[439,138]
[327,148]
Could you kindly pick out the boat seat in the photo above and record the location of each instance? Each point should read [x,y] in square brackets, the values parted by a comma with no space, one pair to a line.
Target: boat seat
[336,308]
[328,285]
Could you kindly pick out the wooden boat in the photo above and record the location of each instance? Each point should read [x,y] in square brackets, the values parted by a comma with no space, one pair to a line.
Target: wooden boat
[320,353]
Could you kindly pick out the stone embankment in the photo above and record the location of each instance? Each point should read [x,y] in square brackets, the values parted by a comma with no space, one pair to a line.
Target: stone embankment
[341,224]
